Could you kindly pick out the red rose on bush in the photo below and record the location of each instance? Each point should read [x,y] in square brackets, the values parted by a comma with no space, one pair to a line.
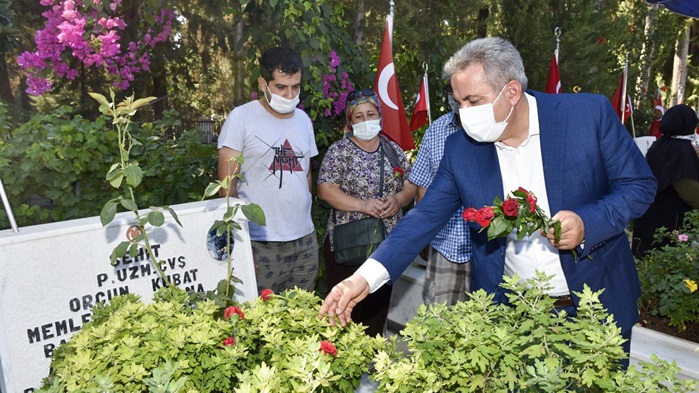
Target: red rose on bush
[229,342]
[469,214]
[266,294]
[484,216]
[328,347]
[233,310]
[510,207]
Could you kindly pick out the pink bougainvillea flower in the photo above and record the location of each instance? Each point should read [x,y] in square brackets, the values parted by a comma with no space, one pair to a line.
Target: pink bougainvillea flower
[328,347]
[233,310]
[229,342]
[682,237]
[266,294]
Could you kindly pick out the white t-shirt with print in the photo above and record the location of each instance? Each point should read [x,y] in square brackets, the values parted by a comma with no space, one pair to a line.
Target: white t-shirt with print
[277,155]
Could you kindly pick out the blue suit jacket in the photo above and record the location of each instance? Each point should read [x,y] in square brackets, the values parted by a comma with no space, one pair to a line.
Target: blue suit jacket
[591,166]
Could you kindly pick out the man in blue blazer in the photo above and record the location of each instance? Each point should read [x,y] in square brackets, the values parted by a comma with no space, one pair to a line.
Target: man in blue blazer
[570,150]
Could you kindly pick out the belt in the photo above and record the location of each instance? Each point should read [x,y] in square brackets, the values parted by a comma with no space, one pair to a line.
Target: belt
[563,301]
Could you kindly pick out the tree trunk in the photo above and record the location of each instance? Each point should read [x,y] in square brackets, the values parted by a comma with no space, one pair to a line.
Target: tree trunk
[239,64]
[159,77]
[643,80]
[5,88]
[359,24]
[679,68]
[483,15]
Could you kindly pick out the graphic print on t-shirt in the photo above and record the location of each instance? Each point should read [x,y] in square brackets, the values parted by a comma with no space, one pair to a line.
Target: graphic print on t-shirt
[285,159]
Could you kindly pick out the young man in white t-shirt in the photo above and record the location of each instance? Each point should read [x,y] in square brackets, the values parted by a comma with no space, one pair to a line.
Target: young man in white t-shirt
[277,142]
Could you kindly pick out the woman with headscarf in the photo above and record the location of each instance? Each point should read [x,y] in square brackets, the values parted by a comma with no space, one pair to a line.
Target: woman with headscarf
[675,164]
[349,181]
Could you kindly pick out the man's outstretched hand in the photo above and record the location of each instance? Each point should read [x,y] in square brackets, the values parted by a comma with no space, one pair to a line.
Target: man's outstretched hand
[343,297]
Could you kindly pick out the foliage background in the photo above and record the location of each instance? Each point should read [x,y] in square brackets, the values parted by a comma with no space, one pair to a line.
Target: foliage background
[209,63]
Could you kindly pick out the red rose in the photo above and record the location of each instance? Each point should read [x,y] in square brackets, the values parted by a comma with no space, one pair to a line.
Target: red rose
[510,207]
[229,342]
[469,214]
[328,347]
[531,199]
[484,216]
[398,171]
[266,294]
[233,310]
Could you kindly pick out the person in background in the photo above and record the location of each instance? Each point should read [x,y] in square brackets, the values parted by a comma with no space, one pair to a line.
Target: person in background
[675,164]
[277,141]
[447,279]
[570,150]
[349,181]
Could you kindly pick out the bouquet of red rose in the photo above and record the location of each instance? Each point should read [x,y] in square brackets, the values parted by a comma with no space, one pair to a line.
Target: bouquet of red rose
[518,212]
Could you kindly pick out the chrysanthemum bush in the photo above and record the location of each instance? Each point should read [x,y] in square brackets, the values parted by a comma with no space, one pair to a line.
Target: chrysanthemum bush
[478,346]
[670,274]
[275,343]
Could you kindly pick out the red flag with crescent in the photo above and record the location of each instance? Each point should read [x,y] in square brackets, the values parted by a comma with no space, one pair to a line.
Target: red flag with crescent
[395,123]
[419,117]
[621,104]
[553,83]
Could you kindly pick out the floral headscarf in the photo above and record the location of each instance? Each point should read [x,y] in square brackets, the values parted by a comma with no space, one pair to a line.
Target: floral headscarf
[359,97]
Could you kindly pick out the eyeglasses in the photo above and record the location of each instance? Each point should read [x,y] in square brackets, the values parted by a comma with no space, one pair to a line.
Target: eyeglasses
[365,92]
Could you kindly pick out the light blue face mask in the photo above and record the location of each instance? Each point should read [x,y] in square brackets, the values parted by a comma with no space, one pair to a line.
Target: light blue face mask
[367,130]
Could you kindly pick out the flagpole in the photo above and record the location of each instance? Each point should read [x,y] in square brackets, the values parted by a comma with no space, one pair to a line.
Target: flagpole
[623,89]
[8,208]
[427,92]
[633,126]
[557,32]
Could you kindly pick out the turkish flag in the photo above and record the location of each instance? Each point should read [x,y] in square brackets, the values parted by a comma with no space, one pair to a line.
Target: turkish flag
[395,123]
[419,117]
[618,102]
[553,83]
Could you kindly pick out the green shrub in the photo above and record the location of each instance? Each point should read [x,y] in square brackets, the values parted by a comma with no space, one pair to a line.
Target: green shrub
[477,346]
[53,166]
[669,275]
[175,346]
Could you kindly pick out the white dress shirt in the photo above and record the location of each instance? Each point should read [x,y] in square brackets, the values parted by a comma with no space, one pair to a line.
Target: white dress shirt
[519,167]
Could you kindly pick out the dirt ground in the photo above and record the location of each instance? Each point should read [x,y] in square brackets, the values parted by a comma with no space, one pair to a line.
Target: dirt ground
[660,324]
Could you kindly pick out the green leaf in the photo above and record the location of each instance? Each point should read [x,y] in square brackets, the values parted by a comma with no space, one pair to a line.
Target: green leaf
[119,251]
[156,218]
[173,214]
[134,175]
[212,189]
[102,100]
[108,212]
[129,204]
[230,213]
[216,225]
[141,102]
[133,249]
[254,213]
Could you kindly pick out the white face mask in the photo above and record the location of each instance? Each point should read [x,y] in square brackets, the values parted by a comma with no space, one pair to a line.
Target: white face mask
[367,130]
[479,121]
[280,104]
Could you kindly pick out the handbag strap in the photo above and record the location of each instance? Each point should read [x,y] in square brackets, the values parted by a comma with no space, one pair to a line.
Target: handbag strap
[383,157]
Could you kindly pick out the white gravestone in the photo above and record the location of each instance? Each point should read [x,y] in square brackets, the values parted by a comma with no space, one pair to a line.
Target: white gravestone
[52,274]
